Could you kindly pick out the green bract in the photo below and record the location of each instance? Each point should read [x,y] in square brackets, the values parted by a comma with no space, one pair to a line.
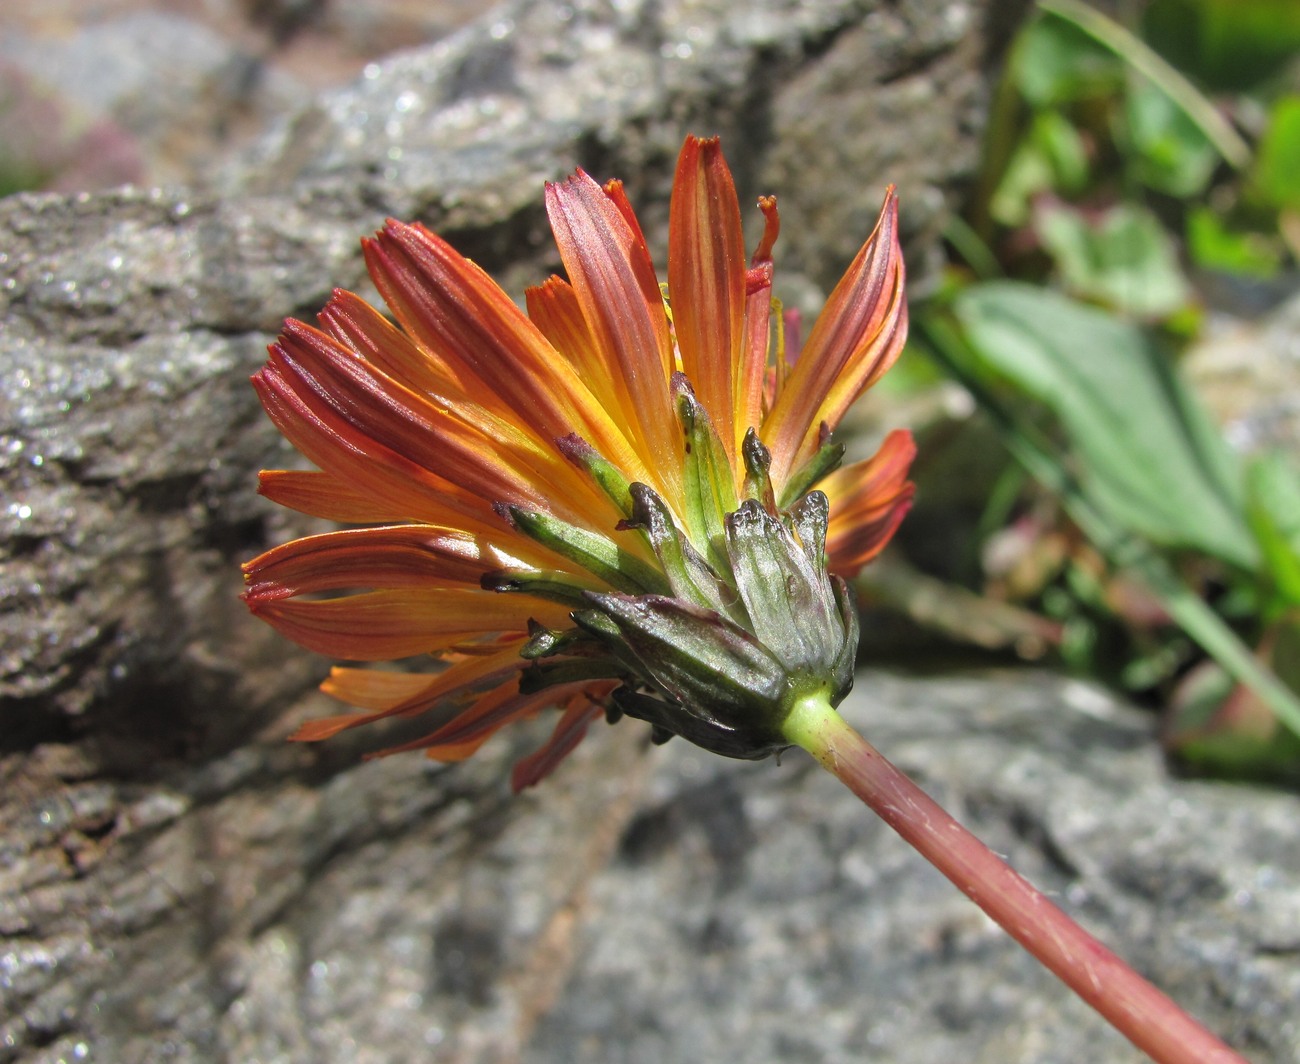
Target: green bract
[719,643]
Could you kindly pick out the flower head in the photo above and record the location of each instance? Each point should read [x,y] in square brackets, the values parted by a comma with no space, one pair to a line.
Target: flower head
[624,501]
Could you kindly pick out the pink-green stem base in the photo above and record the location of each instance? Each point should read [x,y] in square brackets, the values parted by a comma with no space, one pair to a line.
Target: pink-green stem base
[1143,1014]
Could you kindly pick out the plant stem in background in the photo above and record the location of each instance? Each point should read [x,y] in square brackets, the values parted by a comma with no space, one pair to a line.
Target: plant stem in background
[1140,56]
[1143,1014]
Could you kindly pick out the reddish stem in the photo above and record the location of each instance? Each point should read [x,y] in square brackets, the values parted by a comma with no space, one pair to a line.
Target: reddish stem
[1143,1014]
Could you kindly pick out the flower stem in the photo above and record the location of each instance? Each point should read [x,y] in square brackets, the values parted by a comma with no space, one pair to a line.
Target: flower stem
[1143,1014]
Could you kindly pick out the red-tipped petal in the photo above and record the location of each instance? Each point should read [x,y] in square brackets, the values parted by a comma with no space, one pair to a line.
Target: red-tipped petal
[868,501]
[384,625]
[470,729]
[489,345]
[752,370]
[355,323]
[856,338]
[614,280]
[395,556]
[706,280]
[343,395]
[569,732]
[396,483]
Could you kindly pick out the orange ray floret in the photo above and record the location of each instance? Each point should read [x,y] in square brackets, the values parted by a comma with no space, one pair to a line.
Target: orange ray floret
[468,324]
[461,737]
[583,708]
[554,308]
[752,366]
[858,335]
[868,502]
[318,494]
[398,623]
[402,694]
[706,278]
[409,556]
[615,284]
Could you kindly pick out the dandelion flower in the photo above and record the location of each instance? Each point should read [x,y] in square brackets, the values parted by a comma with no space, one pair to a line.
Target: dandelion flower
[624,501]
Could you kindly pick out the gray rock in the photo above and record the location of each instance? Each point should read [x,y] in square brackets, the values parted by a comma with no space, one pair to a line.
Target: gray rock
[824,103]
[128,439]
[167,84]
[643,904]
[178,883]
[798,927]
[1248,368]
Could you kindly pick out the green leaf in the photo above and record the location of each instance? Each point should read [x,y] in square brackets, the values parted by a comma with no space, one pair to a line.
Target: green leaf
[1221,724]
[1273,509]
[1148,455]
[1143,60]
[1214,246]
[1028,172]
[1189,611]
[1226,44]
[1277,166]
[1168,151]
[1057,63]
[1062,145]
[1126,259]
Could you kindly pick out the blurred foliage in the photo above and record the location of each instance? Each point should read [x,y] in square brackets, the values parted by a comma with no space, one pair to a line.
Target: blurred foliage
[1121,165]
[1228,45]
[43,147]
[26,118]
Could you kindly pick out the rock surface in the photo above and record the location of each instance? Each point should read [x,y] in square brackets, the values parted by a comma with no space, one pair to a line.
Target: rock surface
[645,904]
[93,95]
[178,883]
[1248,368]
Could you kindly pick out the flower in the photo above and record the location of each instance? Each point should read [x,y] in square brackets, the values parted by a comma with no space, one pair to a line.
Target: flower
[624,500]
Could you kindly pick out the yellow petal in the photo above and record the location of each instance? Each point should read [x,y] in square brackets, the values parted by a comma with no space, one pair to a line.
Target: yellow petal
[553,306]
